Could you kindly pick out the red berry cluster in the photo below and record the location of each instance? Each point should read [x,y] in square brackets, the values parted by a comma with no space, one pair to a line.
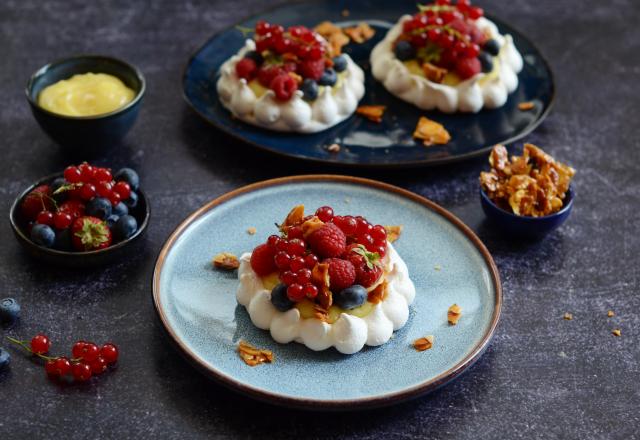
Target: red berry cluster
[350,246]
[87,359]
[90,182]
[447,36]
[284,58]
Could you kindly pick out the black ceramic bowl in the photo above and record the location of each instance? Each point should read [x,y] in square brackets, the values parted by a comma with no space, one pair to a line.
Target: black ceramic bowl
[526,227]
[86,134]
[78,259]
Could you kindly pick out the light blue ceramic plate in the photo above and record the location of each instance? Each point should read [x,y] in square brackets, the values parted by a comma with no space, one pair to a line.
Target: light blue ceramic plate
[197,304]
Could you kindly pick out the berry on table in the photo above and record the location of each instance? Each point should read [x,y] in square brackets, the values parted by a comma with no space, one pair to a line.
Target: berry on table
[87,351]
[350,297]
[109,353]
[128,175]
[125,227]
[329,78]
[81,372]
[40,344]
[309,89]
[5,359]
[9,311]
[99,207]
[340,63]
[342,274]
[43,235]
[328,241]
[262,260]
[98,366]
[90,233]
[279,298]
[404,50]
[58,367]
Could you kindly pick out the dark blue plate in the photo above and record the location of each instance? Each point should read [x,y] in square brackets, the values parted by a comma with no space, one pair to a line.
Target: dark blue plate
[365,143]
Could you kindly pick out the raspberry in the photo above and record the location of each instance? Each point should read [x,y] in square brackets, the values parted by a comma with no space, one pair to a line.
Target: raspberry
[467,67]
[342,274]
[366,264]
[262,261]
[284,86]
[328,241]
[366,276]
[267,74]
[246,68]
[312,69]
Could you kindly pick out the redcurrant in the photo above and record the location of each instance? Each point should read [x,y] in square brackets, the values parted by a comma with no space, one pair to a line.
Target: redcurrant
[294,232]
[72,174]
[114,198]
[282,260]
[123,189]
[282,245]
[295,292]
[103,175]
[325,213]
[87,191]
[297,263]
[310,291]
[103,189]
[58,367]
[109,353]
[296,247]
[81,372]
[40,344]
[273,240]
[86,172]
[98,365]
[310,261]
[76,350]
[379,233]
[303,276]
[288,277]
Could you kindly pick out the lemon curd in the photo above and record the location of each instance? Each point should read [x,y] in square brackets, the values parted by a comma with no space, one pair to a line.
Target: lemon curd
[86,94]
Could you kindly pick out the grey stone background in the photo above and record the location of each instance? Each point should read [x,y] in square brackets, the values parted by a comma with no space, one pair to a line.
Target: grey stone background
[542,376]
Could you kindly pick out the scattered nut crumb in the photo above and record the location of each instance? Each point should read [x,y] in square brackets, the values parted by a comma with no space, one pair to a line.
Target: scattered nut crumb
[345,13]
[524,106]
[616,332]
[372,112]
[433,72]
[454,313]
[393,232]
[360,33]
[437,267]
[333,148]
[431,132]
[610,314]
[253,356]
[422,344]
[226,261]
[568,316]
[334,35]
[347,200]
[252,230]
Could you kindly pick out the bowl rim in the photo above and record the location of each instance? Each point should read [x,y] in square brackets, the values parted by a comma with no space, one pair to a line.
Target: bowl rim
[570,195]
[43,70]
[16,228]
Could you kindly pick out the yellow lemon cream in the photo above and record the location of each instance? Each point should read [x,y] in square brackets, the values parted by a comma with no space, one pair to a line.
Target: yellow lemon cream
[87,94]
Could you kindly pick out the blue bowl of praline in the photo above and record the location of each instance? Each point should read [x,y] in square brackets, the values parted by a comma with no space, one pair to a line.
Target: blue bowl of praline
[86,134]
[117,251]
[519,226]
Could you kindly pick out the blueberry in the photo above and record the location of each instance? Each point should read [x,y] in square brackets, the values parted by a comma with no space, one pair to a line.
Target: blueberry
[351,297]
[255,56]
[128,175]
[112,220]
[5,359]
[404,50]
[125,227]
[43,235]
[329,77]
[120,209]
[9,311]
[486,60]
[132,201]
[99,207]
[55,185]
[340,63]
[279,298]
[309,89]
[63,240]
[492,47]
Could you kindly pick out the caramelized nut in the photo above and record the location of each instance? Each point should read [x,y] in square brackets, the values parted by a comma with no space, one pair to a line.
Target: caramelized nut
[454,313]
[226,261]
[422,344]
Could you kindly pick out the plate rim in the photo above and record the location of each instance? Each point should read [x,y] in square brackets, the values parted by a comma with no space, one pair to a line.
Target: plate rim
[396,165]
[334,404]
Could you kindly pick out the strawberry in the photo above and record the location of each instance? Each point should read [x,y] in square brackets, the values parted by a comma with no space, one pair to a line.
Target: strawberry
[90,234]
[36,201]
[367,264]
[262,261]
[328,241]
[312,69]
[74,208]
[342,274]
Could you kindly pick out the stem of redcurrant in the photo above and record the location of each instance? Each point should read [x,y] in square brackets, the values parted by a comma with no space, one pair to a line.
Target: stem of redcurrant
[25,345]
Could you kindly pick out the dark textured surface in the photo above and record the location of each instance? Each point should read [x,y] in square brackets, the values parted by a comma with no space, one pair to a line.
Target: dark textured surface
[542,377]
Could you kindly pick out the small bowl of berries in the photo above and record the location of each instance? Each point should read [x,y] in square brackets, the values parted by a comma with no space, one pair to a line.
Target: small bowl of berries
[85,216]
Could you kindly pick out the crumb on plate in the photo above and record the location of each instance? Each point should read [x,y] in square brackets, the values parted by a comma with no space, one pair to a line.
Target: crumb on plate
[422,344]
[253,356]
[568,316]
[333,148]
[393,232]
[525,106]
[431,132]
[610,314]
[226,261]
[252,230]
[360,33]
[616,332]
[372,112]
[454,313]
[345,13]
